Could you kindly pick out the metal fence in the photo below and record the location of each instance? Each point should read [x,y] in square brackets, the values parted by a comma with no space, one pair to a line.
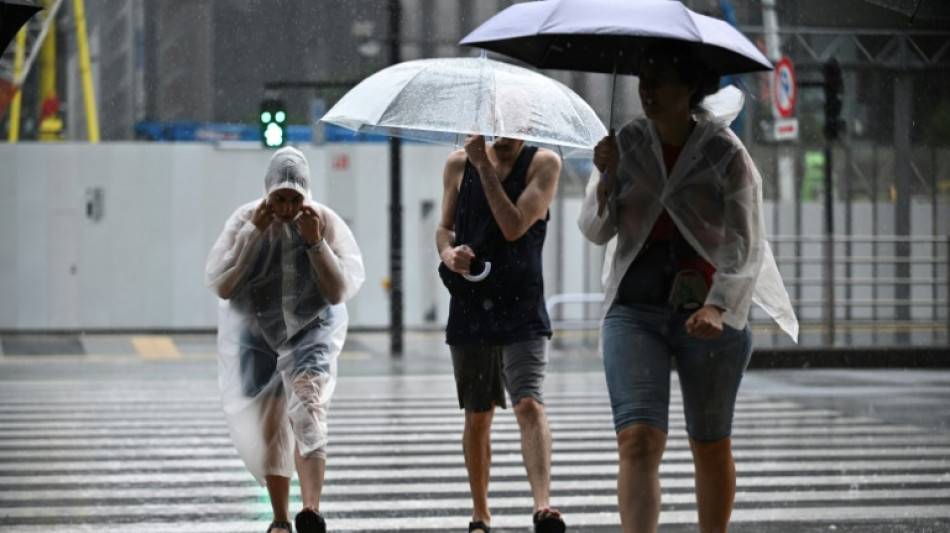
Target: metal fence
[884,290]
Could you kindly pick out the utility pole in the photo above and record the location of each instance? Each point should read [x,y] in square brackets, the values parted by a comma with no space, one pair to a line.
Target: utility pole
[395,203]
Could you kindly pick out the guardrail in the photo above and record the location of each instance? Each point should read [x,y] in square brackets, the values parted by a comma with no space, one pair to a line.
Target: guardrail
[889,283]
[589,321]
[898,282]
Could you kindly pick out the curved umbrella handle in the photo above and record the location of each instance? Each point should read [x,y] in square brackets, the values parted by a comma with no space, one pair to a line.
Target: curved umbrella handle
[482,275]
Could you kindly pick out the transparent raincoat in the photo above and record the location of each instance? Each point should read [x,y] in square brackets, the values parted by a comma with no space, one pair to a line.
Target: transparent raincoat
[278,335]
[713,195]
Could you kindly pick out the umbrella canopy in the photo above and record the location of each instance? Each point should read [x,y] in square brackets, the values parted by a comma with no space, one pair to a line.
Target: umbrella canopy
[609,35]
[13,15]
[444,100]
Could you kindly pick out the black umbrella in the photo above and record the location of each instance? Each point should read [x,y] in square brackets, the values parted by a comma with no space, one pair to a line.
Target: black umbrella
[608,36]
[13,15]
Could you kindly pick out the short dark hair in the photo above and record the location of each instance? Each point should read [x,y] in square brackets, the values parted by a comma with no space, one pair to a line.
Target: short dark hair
[689,67]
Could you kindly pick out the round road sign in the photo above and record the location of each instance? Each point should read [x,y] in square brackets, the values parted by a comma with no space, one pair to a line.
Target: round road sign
[783,88]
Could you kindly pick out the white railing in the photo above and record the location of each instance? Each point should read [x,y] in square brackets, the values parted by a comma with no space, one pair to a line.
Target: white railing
[887,282]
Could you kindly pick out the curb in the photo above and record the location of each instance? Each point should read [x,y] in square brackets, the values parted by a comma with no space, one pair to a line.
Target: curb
[427,345]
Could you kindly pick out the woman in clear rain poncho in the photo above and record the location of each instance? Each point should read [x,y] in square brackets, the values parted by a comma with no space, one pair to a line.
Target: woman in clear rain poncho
[679,204]
[283,267]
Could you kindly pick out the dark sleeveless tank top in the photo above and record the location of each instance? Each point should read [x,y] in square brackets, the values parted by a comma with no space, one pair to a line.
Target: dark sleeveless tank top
[508,305]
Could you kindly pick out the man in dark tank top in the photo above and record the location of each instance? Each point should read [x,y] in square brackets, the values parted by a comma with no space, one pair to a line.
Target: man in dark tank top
[494,220]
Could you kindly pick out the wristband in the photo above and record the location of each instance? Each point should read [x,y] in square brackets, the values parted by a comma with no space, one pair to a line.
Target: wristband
[317,246]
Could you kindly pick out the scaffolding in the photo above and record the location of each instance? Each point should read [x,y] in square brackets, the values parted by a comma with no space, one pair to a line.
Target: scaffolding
[41,42]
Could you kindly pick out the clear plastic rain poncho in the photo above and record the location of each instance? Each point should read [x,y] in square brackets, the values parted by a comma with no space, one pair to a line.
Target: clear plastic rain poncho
[713,195]
[278,335]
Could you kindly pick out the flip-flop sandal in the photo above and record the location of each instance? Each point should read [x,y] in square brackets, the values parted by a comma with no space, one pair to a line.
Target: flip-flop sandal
[310,521]
[280,525]
[472,526]
[548,521]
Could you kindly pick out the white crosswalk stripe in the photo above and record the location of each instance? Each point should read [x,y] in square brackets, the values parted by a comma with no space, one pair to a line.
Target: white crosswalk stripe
[146,456]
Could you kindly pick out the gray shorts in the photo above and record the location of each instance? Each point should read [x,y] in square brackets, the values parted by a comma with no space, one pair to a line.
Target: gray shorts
[483,373]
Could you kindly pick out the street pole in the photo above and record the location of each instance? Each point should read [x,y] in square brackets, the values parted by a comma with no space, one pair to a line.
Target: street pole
[834,94]
[903,128]
[784,152]
[395,204]
[829,248]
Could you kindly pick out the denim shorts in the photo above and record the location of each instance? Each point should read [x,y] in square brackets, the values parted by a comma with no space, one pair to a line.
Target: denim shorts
[640,343]
[482,373]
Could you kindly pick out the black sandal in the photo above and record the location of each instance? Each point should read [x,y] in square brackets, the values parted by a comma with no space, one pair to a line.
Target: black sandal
[472,526]
[548,520]
[310,521]
[280,525]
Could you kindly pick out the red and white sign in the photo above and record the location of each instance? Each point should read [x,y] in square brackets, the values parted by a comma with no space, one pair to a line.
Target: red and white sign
[785,129]
[784,88]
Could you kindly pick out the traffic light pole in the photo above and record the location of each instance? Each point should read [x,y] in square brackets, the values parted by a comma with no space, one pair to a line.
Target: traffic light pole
[395,203]
[829,248]
[833,97]
[833,89]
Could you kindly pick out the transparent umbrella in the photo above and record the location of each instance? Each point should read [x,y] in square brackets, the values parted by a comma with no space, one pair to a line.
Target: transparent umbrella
[444,100]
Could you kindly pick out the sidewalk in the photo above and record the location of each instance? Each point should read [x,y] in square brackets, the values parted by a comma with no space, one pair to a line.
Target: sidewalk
[424,351]
[365,352]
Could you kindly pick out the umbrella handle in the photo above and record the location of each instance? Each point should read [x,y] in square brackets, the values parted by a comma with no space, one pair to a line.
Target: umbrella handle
[480,276]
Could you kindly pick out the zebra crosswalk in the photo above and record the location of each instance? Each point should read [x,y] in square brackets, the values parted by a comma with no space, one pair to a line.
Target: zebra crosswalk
[148,455]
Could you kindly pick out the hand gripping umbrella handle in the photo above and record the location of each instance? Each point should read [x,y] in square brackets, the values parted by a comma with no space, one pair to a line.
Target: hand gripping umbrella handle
[482,275]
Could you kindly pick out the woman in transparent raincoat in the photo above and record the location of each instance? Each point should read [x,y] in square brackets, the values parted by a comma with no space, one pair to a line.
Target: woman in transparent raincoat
[678,202]
[283,266]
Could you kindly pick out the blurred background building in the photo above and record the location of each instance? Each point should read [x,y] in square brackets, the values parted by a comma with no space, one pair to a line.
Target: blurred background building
[210,61]
[193,73]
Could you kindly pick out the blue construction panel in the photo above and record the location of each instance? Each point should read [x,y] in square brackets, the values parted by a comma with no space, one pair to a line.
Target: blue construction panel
[191,131]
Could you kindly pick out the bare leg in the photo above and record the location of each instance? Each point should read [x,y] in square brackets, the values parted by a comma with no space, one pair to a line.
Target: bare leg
[278,487]
[715,483]
[535,449]
[638,482]
[310,469]
[310,472]
[476,445]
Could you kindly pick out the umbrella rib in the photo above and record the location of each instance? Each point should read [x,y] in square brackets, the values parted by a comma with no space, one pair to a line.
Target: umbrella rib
[547,50]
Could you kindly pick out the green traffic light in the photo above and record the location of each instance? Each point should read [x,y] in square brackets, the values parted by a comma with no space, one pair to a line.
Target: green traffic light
[273,117]
[273,135]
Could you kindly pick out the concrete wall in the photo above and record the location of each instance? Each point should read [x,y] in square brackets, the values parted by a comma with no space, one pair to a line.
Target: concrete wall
[140,266]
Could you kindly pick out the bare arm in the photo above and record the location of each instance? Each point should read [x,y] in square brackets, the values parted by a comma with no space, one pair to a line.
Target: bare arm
[457,258]
[514,219]
[334,255]
[329,275]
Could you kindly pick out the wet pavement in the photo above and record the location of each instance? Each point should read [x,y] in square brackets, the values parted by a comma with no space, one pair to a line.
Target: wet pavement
[134,440]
